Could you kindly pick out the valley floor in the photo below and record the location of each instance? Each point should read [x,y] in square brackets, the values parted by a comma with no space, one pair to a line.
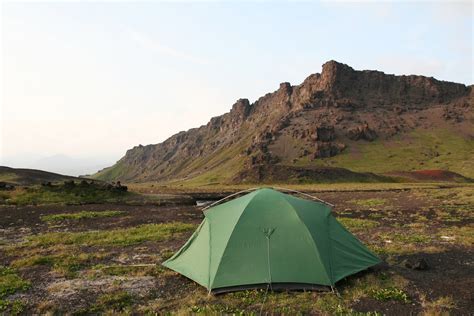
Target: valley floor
[98,258]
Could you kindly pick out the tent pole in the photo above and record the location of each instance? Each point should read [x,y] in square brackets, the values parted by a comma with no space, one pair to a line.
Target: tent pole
[225,198]
[305,194]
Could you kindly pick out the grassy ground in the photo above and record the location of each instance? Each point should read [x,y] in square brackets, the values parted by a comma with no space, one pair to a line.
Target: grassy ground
[420,149]
[79,215]
[85,263]
[179,187]
[83,194]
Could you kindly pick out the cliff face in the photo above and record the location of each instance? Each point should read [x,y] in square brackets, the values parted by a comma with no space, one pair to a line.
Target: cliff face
[328,115]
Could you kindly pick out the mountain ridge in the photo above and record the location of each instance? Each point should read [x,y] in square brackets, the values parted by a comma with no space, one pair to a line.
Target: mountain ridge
[329,115]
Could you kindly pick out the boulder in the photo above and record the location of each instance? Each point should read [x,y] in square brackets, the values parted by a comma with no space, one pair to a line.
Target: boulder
[6,186]
[323,133]
[361,132]
[327,149]
[69,183]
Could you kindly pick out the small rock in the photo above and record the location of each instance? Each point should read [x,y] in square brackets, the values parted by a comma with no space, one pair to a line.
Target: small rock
[416,264]
[448,237]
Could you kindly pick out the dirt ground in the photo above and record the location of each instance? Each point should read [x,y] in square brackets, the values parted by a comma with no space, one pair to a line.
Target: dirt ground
[435,225]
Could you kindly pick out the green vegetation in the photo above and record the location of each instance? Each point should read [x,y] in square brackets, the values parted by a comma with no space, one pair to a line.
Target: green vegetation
[460,235]
[61,251]
[118,271]
[257,301]
[390,293]
[121,237]
[10,282]
[62,194]
[16,306]
[80,215]
[112,173]
[370,202]
[421,149]
[112,303]
[116,302]
[138,270]
[66,262]
[439,306]
[355,224]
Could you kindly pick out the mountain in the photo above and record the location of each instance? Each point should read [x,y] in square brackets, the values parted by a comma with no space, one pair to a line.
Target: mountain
[365,121]
[20,176]
[58,163]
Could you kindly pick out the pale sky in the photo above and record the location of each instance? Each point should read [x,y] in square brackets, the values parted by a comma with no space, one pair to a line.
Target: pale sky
[89,80]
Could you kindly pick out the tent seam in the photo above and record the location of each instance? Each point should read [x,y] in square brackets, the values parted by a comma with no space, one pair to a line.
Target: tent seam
[310,235]
[227,243]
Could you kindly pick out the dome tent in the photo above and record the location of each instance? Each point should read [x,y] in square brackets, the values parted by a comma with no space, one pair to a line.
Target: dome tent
[270,238]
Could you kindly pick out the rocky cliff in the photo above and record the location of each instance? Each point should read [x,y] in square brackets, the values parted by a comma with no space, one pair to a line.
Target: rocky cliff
[340,117]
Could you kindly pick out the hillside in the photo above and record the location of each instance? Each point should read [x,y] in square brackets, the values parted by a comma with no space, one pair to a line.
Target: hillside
[30,176]
[365,121]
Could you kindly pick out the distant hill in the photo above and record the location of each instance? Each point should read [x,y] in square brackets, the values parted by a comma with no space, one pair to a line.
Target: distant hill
[364,121]
[30,176]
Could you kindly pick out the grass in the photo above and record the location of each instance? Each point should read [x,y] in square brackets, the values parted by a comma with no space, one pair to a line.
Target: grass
[117,302]
[112,303]
[123,270]
[252,302]
[10,282]
[119,237]
[40,195]
[65,262]
[80,215]
[390,293]
[108,257]
[462,235]
[63,251]
[189,187]
[16,306]
[440,306]
[356,224]
[375,202]
[412,151]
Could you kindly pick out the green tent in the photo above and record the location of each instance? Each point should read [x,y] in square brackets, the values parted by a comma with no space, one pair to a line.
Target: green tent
[268,238]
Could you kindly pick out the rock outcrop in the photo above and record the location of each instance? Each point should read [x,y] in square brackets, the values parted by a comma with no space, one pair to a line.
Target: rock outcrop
[300,124]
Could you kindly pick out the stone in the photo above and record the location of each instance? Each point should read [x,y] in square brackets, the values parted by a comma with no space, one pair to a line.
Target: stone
[416,264]
[361,132]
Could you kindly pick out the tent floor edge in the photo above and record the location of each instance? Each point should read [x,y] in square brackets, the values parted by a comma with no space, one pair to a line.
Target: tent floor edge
[276,287]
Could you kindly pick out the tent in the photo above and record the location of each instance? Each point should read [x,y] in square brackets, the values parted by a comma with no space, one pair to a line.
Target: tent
[268,238]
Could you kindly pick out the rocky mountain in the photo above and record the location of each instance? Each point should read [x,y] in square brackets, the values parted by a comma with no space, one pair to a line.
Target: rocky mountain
[366,121]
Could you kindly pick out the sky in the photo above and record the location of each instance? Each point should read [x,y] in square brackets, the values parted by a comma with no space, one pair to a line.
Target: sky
[82,82]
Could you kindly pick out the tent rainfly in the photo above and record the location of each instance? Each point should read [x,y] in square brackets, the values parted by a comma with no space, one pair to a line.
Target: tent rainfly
[268,238]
